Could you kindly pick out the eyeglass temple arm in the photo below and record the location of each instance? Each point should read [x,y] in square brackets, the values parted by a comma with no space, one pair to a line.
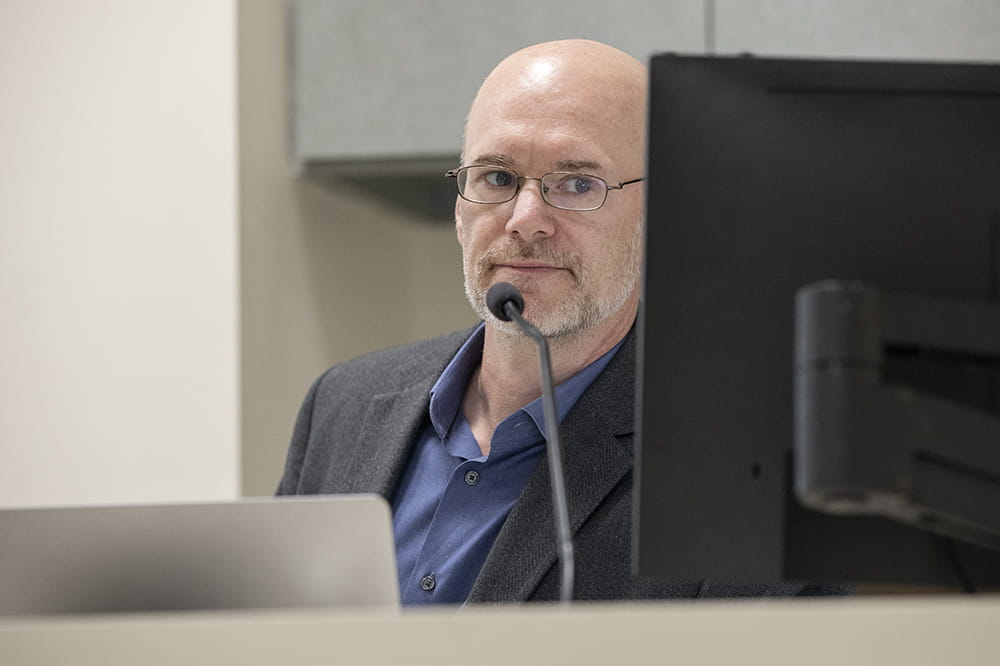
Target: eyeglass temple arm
[627,182]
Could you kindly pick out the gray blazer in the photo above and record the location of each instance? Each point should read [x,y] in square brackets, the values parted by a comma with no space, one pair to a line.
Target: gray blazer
[360,419]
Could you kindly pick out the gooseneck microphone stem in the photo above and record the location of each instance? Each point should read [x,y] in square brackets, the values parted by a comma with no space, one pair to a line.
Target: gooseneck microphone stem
[506,303]
[554,449]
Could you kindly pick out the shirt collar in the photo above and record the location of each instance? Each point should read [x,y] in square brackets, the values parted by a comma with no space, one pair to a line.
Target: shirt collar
[449,389]
[568,392]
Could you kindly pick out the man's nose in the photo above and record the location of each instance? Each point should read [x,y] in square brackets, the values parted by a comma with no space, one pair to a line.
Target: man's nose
[531,217]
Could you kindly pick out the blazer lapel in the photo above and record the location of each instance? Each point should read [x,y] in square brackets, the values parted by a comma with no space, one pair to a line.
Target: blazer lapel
[391,425]
[393,421]
[597,454]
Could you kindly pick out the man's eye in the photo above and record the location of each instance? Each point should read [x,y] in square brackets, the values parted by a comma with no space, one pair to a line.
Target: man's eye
[577,184]
[500,178]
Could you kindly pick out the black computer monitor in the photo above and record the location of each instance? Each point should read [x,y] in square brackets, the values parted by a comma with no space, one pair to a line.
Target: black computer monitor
[770,176]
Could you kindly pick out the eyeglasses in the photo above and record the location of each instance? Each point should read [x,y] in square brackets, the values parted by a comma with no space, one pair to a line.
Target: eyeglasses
[560,189]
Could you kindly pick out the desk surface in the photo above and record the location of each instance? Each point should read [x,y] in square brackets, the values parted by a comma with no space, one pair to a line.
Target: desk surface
[925,630]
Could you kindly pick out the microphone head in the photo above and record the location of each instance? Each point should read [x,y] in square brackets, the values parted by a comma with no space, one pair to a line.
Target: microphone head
[499,295]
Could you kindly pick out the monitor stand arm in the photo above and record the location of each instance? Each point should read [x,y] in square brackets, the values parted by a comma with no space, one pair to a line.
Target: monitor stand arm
[864,445]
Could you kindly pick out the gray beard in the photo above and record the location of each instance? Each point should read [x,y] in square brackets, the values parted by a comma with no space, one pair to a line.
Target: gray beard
[568,319]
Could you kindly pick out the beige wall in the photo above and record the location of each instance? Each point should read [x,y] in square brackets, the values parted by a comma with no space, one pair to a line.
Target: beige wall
[118,339]
[144,294]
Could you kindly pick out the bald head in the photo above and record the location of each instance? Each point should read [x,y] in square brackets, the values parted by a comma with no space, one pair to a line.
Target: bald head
[583,82]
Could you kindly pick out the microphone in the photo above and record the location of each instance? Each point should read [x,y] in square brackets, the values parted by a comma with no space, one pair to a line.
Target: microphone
[500,296]
[507,304]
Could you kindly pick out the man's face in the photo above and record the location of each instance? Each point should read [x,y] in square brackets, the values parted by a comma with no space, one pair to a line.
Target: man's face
[574,268]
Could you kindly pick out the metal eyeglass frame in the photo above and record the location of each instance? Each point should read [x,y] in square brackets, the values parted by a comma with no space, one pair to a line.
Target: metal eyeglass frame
[454,173]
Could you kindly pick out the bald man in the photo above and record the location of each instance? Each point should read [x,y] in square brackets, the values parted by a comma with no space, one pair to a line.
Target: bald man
[450,430]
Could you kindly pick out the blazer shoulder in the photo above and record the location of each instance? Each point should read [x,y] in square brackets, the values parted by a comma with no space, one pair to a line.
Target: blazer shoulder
[394,368]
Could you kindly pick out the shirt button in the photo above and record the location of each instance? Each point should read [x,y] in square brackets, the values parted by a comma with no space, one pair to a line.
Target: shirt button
[472,477]
[427,583]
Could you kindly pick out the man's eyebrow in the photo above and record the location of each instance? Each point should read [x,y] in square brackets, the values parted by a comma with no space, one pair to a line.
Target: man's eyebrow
[577,165]
[494,159]
[507,162]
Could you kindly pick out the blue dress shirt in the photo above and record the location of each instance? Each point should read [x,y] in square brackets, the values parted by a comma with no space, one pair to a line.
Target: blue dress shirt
[452,500]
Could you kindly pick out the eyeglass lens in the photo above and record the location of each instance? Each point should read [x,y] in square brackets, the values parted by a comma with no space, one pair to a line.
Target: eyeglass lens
[572,191]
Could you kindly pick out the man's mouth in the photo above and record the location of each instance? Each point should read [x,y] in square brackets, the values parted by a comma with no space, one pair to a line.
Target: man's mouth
[528,266]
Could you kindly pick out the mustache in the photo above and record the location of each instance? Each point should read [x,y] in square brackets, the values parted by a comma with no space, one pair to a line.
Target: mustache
[533,251]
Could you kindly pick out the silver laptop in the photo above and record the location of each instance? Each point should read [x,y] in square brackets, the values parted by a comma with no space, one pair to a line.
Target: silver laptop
[295,552]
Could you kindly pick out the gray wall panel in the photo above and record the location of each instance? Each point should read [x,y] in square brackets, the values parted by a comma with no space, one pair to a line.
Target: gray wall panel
[913,29]
[383,79]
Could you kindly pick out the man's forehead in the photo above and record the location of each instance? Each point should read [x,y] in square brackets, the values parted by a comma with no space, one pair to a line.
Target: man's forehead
[545,130]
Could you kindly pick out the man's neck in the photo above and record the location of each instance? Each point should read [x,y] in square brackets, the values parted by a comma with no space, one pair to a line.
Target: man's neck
[509,376]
